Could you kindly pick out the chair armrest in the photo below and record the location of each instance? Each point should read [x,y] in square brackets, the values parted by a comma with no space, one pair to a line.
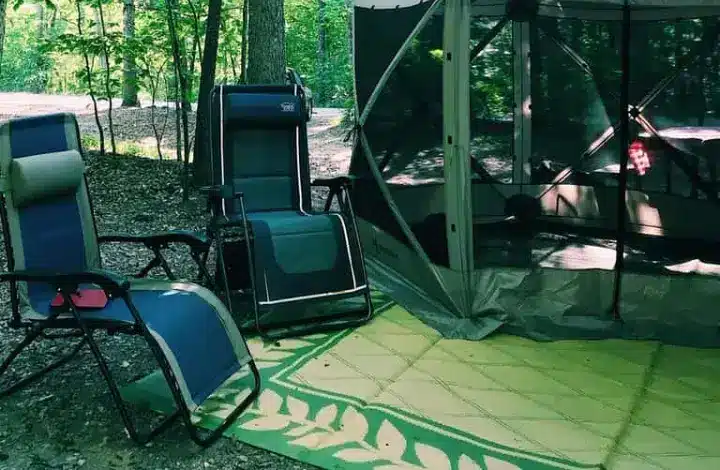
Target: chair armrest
[111,283]
[333,183]
[194,240]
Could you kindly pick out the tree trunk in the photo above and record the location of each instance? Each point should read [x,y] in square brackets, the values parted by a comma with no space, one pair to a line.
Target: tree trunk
[98,31]
[181,71]
[201,162]
[40,19]
[3,9]
[108,87]
[321,84]
[156,77]
[244,51]
[130,84]
[178,125]
[350,6]
[197,35]
[88,73]
[349,114]
[42,64]
[266,42]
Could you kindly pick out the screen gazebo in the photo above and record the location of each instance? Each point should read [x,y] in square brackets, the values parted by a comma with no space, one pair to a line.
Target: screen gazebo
[542,167]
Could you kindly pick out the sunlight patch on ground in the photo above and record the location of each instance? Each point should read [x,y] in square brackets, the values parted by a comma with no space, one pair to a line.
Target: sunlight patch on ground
[318,129]
[145,148]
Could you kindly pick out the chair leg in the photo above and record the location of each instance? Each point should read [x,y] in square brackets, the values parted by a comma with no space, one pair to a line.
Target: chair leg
[152,264]
[130,427]
[165,266]
[181,410]
[215,434]
[203,275]
[223,270]
[30,337]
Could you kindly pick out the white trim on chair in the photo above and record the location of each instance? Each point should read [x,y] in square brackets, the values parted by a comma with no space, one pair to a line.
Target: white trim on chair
[314,296]
[222,146]
[347,247]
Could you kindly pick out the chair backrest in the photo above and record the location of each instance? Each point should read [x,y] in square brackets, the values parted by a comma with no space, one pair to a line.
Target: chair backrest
[259,145]
[46,212]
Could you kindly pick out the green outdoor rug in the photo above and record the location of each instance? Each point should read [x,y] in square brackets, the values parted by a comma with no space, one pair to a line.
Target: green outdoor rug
[394,395]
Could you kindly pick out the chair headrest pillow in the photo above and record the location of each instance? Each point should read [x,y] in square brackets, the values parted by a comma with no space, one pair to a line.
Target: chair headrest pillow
[39,177]
[263,109]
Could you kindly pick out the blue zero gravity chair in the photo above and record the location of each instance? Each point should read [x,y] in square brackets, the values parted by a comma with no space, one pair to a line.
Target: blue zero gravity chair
[303,270]
[57,281]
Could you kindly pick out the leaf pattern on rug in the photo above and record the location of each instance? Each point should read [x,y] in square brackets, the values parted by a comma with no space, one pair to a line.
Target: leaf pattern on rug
[269,355]
[387,449]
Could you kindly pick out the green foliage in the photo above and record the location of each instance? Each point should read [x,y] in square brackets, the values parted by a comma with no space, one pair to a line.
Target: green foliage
[301,33]
[229,66]
[151,47]
[45,54]
[301,18]
[131,148]
[25,65]
[50,58]
[491,73]
[90,141]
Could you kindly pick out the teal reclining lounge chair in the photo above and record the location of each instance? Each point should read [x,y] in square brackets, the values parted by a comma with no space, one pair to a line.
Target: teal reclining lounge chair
[304,268]
[57,281]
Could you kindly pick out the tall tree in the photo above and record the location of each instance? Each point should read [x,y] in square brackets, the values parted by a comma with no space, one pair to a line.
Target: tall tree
[98,31]
[350,12]
[130,78]
[42,62]
[266,42]
[108,73]
[3,9]
[88,74]
[201,161]
[244,51]
[180,66]
[321,53]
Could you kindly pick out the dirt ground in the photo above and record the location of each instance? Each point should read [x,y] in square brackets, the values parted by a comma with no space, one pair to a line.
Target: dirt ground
[134,132]
[67,420]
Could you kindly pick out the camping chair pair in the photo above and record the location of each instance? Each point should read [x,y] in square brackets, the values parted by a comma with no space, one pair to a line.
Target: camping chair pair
[303,270]
[57,282]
